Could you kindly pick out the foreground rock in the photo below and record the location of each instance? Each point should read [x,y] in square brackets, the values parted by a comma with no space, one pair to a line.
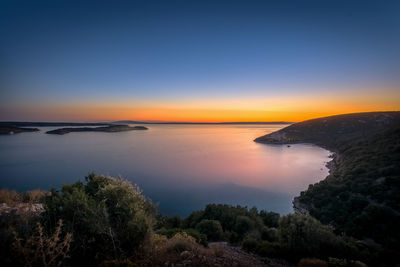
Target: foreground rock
[222,254]
[109,129]
[21,209]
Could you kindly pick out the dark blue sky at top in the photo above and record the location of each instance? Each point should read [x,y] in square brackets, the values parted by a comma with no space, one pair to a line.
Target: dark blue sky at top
[77,50]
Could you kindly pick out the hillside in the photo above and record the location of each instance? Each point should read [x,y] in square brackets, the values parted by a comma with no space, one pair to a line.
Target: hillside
[361,196]
[334,131]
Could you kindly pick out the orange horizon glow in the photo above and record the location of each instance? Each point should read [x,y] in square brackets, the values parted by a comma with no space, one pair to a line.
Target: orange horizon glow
[207,109]
[99,114]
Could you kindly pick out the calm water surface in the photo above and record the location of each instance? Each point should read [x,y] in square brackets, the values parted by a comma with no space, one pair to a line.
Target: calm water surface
[181,167]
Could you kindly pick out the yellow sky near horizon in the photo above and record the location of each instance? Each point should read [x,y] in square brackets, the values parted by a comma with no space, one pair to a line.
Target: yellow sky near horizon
[294,108]
[186,114]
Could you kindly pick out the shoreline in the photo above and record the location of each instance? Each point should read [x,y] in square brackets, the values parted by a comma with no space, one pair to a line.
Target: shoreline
[277,138]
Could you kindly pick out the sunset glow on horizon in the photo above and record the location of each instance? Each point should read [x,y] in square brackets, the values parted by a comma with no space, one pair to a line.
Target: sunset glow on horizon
[197,61]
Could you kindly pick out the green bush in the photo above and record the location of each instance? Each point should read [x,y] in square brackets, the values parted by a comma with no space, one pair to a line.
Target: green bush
[270,219]
[200,238]
[211,228]
[303,236]
[243,225]
[108,217]
[269,249]
[269,234]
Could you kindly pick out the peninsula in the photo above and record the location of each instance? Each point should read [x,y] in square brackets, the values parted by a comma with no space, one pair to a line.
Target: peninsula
[362,189]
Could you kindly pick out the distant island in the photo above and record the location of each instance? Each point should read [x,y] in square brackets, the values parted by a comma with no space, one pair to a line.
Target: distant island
[14,130]
[360,196]
[108,129]
[49,124]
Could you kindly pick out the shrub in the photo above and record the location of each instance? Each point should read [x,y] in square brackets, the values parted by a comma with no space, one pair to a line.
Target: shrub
[43,250]
[200,238]
[312,262]
[269,234]
[270,219]
[305,236]
[211,228]
[243,225]
[109,217]
[269,249]
[181,242]
[34,196]
[250,245]
[9,196]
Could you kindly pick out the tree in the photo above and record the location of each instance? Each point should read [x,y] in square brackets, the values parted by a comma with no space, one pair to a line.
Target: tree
[211,228]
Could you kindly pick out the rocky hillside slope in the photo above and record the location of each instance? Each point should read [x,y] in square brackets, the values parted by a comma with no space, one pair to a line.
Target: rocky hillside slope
[361,195]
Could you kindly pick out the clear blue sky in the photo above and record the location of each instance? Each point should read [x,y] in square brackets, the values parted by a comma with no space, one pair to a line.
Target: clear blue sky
[161,53]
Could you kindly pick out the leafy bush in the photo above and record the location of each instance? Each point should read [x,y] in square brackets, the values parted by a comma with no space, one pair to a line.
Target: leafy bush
[211,228]
[269,249]
[243,225]
[269,234]
[108,217]
[270,219]
[200,238]
[181,242]
[303,236]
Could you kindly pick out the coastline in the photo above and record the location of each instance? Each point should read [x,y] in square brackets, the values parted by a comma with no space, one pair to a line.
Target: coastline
[279,138]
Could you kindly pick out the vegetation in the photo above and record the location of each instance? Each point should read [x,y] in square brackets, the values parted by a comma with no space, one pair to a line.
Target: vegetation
[361,196]
[108,222]
[42,250]
[11,197]
[335,132]
[108,217]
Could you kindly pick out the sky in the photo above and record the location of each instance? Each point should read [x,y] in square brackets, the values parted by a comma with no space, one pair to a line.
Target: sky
[198,61]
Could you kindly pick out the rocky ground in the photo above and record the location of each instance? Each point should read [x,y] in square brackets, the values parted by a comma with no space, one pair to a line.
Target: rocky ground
[223,254]
[21,208]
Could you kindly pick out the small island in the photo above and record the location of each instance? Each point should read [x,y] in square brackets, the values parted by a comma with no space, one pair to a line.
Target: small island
[108,129]
[13,129]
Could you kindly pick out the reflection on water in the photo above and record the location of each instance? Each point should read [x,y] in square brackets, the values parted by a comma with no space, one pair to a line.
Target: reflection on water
[182,167]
